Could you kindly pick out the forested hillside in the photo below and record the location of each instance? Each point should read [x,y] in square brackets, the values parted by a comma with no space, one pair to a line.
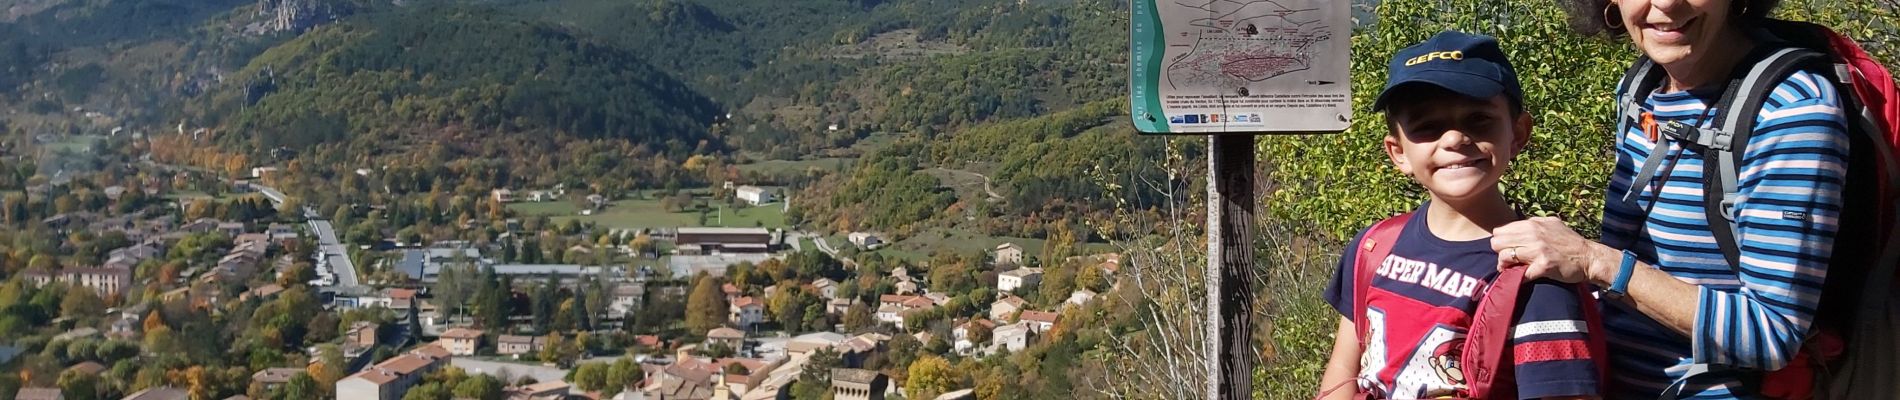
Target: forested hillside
[434,69]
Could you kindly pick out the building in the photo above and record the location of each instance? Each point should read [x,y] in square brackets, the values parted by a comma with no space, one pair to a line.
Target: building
[361,337]
[1012,337]
[1003,308]
[105,281]
[1018,278]
[461,341]
[32,393]
[906,287]
[627,297]
[963,334]
[825,287]
[503,196]
[701,241]
[753,195]
[159,393]
[272,378]
[1041,321]
[1009,254]
[865,240]
[747,311]
[512,345]
[857,384]
[731,338]
[1081,297]
[393,377]
[965,394]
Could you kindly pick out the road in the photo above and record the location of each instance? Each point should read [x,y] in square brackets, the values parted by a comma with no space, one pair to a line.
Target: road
[331,251]
[826,248]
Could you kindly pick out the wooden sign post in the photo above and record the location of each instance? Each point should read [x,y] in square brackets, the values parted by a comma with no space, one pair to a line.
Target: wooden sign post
[1233,69]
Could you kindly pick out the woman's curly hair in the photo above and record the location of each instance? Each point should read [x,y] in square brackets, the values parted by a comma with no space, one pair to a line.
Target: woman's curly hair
[1586,16]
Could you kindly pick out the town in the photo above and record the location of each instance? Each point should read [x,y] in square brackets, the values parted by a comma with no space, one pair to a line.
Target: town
[685,312]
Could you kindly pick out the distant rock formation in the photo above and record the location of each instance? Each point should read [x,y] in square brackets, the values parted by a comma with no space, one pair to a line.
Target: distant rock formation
[296,15]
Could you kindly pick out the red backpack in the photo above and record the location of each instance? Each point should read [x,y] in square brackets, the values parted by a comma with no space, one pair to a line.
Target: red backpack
[1853,351]
[1486,362]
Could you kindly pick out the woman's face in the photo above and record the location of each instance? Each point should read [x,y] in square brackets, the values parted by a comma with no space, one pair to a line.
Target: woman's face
[1676,33]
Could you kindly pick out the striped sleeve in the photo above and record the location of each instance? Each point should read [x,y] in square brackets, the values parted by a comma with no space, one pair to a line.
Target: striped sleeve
[1790,186]
[1548,345]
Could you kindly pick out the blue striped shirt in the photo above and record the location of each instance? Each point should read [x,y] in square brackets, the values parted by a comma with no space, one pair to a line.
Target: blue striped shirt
[1790,183]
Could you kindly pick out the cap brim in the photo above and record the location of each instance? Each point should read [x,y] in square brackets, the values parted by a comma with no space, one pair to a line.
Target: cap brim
[1469,85]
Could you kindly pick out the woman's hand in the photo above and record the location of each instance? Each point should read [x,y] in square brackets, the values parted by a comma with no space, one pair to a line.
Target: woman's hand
[1551,250]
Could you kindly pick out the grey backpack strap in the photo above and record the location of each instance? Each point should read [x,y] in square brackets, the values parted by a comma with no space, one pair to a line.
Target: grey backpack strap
[1734,125]
[1642,78]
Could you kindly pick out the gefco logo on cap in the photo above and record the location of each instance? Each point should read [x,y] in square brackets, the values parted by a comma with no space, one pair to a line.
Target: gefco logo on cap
[1436,55]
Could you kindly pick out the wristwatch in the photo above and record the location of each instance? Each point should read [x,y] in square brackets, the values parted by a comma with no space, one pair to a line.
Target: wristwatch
[1619,287]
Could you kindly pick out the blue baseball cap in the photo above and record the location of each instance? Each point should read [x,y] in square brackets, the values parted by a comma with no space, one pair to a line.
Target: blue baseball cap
[1467,64]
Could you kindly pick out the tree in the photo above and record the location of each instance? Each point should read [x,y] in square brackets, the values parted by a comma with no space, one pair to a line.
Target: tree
[479,387]
[858,318]
[329,366]
[79,385]
[301,386]
[625,372]
[591,377]
[81,302]
[929,376]
[815,380]
[706,307]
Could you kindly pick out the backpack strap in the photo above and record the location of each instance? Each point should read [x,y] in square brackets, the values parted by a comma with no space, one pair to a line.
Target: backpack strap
[1489,340]
[1373,248]
[1724,143]
[1638,82]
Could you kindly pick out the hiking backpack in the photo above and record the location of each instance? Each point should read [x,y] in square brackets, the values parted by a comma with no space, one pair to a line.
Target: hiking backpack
[1853,347]
[1485,359]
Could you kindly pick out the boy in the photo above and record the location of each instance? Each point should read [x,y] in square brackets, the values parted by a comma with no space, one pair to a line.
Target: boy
[1455,118]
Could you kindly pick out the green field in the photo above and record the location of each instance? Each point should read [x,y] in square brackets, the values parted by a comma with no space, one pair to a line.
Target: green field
[922,245]
[644,213]
[771,167]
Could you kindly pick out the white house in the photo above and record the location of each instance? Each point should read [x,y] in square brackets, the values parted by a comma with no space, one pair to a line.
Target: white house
[1081,297]
[826,287]
[747,311]
[1017,278]
[753,195]
[865,240]
[891,314]
[964,344]
[1001,309]
[1012,337]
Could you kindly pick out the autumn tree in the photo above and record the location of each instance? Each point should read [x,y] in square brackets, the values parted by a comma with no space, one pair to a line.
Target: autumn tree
[706,307]
[930,376]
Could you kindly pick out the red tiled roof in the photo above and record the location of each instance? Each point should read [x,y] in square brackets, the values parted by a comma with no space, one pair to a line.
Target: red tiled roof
[1038,316]
[461,333]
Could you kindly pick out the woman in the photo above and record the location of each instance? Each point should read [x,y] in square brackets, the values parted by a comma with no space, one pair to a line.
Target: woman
[1681,306]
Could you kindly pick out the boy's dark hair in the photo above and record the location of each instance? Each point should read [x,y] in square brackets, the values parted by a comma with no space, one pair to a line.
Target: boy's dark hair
[1588,16]
[1408,96]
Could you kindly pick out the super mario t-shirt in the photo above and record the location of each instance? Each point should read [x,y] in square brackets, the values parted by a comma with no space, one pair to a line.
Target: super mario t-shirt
[1420,306]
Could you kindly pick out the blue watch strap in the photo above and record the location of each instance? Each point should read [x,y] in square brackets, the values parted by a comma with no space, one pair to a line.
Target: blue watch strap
[1622,283]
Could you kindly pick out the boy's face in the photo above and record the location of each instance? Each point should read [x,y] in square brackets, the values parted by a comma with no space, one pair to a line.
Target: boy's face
[1456,146]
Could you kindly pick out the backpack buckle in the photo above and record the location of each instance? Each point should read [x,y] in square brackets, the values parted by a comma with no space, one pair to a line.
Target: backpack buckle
[1728,206]
[1708,138]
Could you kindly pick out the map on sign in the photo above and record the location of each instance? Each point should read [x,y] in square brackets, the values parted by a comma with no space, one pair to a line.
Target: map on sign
[1214,66]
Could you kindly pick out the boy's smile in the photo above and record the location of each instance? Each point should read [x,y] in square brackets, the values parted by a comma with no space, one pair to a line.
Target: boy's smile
[1455,146]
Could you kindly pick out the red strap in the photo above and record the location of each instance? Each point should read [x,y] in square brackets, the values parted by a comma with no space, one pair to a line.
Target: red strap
[1373,248]
[1489,340]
